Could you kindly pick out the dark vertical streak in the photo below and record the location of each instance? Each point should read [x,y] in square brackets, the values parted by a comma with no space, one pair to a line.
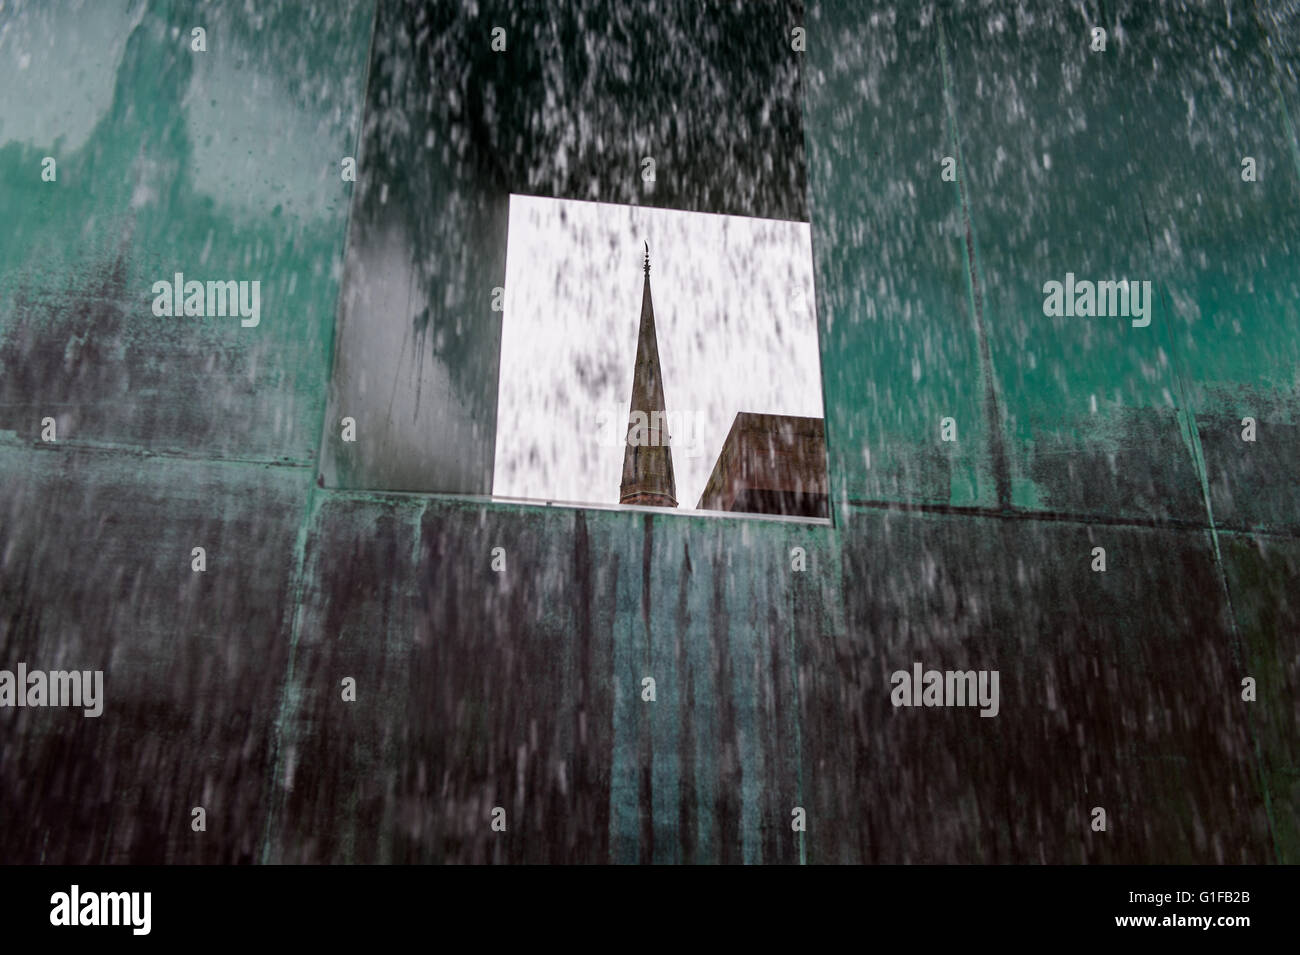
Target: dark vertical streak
[777,783]
[600,728]
[728,789]
[584,801]
[645,748]
[687,798]
[997,449]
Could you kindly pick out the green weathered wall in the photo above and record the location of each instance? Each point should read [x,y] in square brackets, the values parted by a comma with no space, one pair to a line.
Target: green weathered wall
[522,689]
[172,432]
[1075,432]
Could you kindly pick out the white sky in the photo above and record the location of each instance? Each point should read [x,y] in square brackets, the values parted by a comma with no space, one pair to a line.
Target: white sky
[733,307]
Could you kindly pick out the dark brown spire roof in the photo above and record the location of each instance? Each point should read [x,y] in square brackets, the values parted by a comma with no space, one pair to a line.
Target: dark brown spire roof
[647,460]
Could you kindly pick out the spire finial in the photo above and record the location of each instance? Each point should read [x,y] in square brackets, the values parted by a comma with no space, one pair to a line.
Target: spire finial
[647,258]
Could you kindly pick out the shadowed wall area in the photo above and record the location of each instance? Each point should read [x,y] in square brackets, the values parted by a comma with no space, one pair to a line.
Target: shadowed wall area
[500,651]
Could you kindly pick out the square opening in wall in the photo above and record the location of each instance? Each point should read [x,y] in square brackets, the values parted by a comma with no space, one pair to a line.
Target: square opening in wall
[659,358]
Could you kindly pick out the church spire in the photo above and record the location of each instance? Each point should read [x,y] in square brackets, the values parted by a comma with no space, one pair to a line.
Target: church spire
[647,459]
